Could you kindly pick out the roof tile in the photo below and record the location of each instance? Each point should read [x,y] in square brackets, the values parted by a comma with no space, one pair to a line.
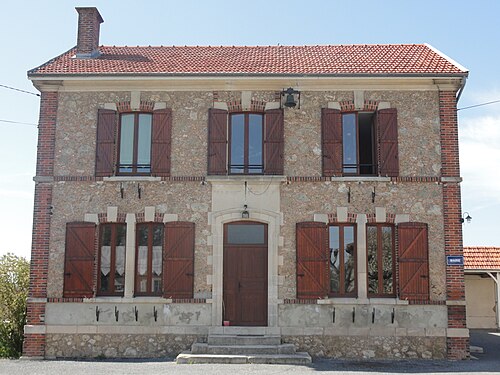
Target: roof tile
[482,258]
[258,60]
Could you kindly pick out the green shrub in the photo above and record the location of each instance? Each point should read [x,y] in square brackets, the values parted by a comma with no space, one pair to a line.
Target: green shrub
[14,284]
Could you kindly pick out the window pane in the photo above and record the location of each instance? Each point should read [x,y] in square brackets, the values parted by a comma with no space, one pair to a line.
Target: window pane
[371,234]
[245,234]
[144,144]
[255,144]
[387,259]
[334,259]
[349,259]
[142,258]
[105,257]
[126,142]
[120,238]
[365,128]
[157,258]
[349,143]
[237,143]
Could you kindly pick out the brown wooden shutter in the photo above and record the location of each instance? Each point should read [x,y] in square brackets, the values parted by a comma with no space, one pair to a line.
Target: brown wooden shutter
[273,142]
[387,129]
[312,260]
[331,138]
[105,145]
[161,142]
[178,263]
[217,141]
[79,259]
[413,261]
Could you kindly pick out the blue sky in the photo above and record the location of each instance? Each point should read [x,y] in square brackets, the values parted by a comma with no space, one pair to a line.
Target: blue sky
[34,31]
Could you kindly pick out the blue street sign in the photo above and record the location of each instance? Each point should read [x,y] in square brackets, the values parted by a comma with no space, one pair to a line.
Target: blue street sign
[454,260]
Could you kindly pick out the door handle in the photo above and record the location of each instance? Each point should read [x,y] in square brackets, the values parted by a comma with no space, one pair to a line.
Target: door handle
[239,286]
[301,274]
[67,274]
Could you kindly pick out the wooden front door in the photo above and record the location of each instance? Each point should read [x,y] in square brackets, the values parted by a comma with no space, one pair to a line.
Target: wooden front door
[245,274]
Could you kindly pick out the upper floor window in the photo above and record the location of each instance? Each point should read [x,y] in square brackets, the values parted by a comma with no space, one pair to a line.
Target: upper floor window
[245,143]
[358,152]
[112,242]
[380,260]
[135,143]
[360,143]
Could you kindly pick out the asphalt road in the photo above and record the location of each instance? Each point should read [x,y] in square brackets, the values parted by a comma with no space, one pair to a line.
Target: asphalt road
[487,363]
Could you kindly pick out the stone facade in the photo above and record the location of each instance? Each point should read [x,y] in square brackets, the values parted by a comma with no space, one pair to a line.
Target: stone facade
[77,185]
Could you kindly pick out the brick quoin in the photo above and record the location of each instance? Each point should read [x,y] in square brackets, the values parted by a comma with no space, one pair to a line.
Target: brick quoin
[34,344]
[457,347]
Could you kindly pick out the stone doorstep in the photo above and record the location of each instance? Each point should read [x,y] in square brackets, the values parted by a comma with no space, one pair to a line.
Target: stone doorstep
[200,348]
[244,340]
[288,359]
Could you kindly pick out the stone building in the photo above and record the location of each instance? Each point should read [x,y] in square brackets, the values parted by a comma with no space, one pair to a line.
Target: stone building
[305,193]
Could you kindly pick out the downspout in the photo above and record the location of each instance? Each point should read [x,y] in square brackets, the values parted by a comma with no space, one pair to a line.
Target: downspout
[497,282]
[461,89]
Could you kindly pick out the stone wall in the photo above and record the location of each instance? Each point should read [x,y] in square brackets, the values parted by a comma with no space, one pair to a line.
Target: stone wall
[117,345]
[370,347]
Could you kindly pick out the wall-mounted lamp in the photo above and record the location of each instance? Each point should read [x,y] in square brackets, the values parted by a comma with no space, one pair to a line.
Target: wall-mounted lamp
[290,99]
[245,214]
[467,218]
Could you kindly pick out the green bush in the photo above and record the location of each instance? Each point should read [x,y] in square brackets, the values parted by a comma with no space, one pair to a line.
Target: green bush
[14,284]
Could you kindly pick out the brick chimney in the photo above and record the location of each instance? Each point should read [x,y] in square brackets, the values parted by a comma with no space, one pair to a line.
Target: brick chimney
[89,21]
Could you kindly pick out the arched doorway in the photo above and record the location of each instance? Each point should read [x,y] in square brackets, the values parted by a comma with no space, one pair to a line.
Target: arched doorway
[245,273]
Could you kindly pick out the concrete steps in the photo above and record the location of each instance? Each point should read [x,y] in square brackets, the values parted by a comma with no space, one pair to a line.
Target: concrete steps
[239,349]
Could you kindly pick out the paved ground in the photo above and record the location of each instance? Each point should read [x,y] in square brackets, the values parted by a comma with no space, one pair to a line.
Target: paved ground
[487,363]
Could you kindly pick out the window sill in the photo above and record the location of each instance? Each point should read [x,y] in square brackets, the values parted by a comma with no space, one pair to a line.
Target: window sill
[138,299]
[361,178]
[131,178]
[361,301]
[250,178]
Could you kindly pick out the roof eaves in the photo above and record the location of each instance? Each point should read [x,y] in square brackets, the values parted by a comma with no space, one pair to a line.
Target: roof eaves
[447,58]
[33,74]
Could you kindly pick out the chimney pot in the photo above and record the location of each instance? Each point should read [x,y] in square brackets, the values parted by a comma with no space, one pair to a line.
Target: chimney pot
[89,21]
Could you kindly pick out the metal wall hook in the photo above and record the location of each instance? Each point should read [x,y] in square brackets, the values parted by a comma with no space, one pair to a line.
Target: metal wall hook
[122,191]
[373,195]
[155,313]
[393,315]
[349,195]
[139,191]
[136,313]
[97,313]
[333,315]
[116,313]
[373,315]
[353,314]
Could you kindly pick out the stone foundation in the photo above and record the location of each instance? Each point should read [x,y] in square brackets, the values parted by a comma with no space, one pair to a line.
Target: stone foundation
[117,346]
[379,347]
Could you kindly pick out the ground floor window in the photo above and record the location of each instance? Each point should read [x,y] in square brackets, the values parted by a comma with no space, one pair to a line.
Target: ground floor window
[149,254]
[380,260]
[111,279]
[342,255]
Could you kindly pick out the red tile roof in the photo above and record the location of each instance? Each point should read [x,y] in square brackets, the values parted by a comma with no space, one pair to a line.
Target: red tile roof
[482,258]
[409,59]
